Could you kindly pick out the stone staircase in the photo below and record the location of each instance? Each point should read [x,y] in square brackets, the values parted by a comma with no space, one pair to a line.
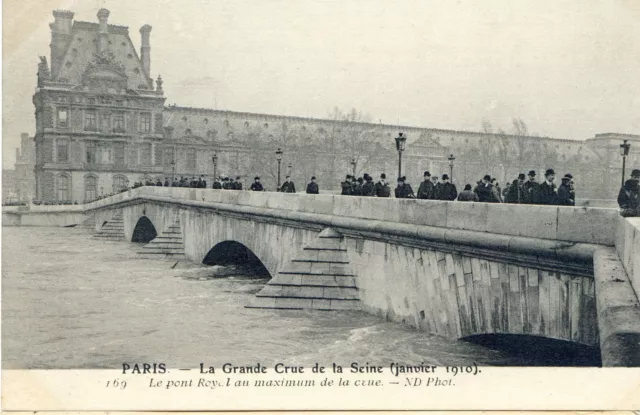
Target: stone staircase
[168,244]
[318,278]
[113,230]
[88,224]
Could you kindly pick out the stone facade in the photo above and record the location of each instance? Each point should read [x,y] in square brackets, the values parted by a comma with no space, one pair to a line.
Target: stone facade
[101,124]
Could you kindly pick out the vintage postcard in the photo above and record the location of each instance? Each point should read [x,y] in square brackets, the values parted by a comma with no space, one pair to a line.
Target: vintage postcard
[320,205]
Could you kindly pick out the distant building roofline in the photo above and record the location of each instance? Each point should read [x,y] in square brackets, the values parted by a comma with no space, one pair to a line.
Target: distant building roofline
[204,111]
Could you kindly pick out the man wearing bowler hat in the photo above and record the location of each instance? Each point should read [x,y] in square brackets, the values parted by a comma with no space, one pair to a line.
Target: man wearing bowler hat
[448,190]
[256,186]
[565,197]
[426,189]
[312,187]
[547,189]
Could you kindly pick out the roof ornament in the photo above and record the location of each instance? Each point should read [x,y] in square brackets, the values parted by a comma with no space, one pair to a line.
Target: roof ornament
[159,82]
[43,71]
[106,58]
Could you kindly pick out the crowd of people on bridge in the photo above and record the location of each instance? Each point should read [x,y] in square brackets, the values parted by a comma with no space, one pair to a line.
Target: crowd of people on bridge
[525,189]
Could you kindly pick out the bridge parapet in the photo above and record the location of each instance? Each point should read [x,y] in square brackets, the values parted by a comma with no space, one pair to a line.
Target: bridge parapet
[628,248]
[571,224]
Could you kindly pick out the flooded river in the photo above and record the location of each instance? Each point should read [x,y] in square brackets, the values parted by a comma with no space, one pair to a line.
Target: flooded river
[72,301]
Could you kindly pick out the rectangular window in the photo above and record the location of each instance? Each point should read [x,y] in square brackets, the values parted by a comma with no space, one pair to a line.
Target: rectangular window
[62,150]
[118,151]
[145,122]
[118,122]
[62,188]
[145,154]
[191,159]
[168,156]
[90,123]
[90,147]
[63,117]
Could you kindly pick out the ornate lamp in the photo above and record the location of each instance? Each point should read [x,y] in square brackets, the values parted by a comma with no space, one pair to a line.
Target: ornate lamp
[279,158]
[624,152]
[401,141]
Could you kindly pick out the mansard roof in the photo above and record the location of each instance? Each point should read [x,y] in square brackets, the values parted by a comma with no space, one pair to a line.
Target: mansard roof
[83,47]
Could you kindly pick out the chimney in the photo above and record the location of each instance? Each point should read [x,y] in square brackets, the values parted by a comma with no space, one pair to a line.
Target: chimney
[103,31]
[145,49]
[60,38]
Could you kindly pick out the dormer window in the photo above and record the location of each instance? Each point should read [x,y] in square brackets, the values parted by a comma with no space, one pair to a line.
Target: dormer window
[63,117]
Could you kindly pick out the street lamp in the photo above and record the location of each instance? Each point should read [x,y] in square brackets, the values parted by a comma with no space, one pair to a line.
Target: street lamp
[214,159]
[279,158]
[353,166]
[401,140]
[451,159]
[624,152]
[173,169]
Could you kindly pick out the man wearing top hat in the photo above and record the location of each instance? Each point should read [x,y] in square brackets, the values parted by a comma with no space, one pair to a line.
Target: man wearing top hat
[547,189]
[448,190]
[312,187]
[516,191]
[382,188]
[484,190]
[531,190]
[256,186]
[426,189]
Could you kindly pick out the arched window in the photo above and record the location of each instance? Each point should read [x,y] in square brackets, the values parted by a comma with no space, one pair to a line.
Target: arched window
[62,187]
[119,183]
[90,188]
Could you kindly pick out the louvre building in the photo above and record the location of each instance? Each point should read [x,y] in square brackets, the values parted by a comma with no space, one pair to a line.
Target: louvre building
[102,125]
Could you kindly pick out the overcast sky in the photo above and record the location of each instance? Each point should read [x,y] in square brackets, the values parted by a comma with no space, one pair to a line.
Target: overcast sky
[569,69]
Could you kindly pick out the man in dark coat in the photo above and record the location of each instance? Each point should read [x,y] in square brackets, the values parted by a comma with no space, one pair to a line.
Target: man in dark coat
[547,189]
[629,198]
[404,190]
[158,182]
[217,183]
[256,186]
[237,185]
[467,195]
[448,190]
[312,187]
[426,189]
[572,190]
[356,187]
[368,188]
[346,186]
[531,190]
[564,197]
[288,186]
[484,190]
[436,187]
[516,191]
[382,188]
[166,182]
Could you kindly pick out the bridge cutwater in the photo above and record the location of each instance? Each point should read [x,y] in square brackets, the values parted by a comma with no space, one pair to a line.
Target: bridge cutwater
[449,268]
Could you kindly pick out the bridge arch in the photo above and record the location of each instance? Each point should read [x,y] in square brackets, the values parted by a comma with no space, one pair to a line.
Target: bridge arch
[233,253]
[144,231]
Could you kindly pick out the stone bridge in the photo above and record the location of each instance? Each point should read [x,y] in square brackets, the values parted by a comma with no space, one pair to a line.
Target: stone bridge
[449,268]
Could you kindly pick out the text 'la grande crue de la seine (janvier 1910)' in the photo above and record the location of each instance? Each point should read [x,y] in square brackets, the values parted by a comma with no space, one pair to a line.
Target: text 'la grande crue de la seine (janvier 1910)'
[282,375]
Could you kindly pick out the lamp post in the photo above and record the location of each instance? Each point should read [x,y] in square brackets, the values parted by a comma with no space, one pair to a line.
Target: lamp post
[353,166]
[624,152]
[401,140]
[279,158]
[173,169]
[214,159]
[451,159]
